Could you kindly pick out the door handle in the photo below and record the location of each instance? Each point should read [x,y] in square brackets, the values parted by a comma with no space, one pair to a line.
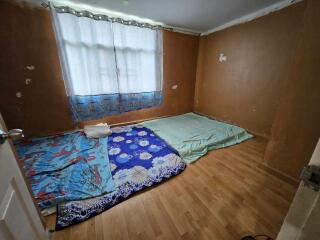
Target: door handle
[310,176]
[14,134]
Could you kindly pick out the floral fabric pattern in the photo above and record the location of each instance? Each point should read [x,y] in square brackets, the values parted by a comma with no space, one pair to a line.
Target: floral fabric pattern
[65,167]
[99,106]
[139,161]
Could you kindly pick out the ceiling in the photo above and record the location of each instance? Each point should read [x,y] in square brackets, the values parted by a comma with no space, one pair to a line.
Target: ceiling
[195,15]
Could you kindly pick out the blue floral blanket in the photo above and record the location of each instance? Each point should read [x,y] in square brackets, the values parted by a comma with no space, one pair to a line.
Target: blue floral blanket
[138,160]
[66,167]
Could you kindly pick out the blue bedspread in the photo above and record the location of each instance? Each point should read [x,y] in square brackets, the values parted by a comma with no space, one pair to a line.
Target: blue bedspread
[138,159]
[66,167]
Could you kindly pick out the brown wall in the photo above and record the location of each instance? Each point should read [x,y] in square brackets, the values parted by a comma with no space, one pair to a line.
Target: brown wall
[296,128]
[270,82]
[26,38]
[246,89]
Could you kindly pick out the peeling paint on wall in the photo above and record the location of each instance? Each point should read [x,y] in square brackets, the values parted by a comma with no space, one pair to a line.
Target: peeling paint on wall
[222,58]
[19,95]
[28,81]
[30,67]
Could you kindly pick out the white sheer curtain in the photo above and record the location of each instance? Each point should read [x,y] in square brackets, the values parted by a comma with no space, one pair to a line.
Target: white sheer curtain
[88,55]
[138,57]
[108,67]
[101,57]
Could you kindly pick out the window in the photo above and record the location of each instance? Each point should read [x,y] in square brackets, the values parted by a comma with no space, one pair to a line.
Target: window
[108,67]
[138,59]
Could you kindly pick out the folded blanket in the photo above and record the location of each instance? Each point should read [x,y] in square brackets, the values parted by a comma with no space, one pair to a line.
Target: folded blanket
[97,131]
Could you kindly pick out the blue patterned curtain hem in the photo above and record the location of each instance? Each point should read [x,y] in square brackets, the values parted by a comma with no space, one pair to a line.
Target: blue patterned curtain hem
[99,106]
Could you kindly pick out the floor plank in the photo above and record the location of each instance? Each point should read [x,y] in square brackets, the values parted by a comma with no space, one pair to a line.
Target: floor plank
[224,195]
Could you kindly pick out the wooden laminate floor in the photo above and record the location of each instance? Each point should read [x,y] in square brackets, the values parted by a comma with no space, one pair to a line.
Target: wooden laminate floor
[224,195]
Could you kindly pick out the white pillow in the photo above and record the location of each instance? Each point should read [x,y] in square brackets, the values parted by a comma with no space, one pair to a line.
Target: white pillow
[97,131]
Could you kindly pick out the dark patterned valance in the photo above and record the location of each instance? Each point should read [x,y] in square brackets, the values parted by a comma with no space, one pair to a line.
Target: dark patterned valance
[103,17]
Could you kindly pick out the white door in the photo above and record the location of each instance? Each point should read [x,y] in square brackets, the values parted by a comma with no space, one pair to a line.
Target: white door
[19,218]
[303,219]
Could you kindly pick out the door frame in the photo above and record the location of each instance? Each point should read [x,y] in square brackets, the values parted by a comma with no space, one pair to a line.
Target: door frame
[302,206]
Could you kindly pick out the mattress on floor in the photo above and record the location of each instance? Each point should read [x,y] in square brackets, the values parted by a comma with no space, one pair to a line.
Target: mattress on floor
[193,135]
[138,160]
[65,167]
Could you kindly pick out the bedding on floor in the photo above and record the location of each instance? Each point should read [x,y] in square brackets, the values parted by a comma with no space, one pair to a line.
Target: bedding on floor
[138,159]
[65,167]
[86,176]
[193,135]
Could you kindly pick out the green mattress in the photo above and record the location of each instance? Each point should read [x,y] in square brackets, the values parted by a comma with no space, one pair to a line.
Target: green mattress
[193,135]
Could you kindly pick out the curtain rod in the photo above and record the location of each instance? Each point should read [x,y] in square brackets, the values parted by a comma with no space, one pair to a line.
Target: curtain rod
[104,17]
